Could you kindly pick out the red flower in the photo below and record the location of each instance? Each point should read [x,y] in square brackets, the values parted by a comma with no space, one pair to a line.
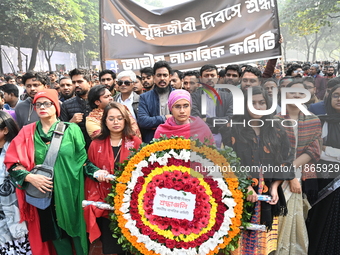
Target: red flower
[161,239]
[146,230]
[170,243]
[138,188]
[177,174]
[141,180]
[178,186]
[146,171]
[153,236]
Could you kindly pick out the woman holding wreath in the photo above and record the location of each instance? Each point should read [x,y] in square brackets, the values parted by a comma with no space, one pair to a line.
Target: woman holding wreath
[61,225]
[106,151]
[260,145]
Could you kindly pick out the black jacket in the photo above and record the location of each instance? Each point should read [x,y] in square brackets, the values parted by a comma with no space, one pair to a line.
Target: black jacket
[76,105]
[223,111]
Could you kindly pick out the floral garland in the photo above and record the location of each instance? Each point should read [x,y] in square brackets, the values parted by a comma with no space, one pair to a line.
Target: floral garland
[172,164]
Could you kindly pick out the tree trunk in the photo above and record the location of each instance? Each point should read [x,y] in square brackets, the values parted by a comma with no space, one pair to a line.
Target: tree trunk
[308,50]
[1,69]
[19,58]
[35,51]
[317,40]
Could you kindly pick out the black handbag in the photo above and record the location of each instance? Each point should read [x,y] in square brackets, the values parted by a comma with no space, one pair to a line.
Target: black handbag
[34,196]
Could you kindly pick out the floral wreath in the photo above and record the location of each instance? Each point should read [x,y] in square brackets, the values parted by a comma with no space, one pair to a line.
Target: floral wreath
[170,165]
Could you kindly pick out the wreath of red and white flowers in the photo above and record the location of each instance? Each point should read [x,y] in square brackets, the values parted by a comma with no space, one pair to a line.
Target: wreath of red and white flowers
[171,164]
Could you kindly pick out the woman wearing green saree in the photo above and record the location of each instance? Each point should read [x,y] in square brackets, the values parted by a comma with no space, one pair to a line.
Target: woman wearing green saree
[61,225]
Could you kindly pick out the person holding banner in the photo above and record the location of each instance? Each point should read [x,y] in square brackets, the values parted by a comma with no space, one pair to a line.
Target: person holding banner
[263,148]
[109,149]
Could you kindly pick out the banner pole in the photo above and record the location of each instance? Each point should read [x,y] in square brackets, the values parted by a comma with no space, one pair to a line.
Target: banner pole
[102,62]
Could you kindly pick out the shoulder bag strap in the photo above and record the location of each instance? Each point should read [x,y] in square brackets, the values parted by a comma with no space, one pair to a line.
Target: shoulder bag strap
[52,152]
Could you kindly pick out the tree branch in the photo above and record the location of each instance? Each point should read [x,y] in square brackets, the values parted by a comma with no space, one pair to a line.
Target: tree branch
[333,17]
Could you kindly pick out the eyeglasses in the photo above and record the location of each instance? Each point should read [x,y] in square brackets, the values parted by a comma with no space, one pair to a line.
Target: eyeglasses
[28,86]
[127,83]
[179,107]
[310,87]
[45,104]
[118,119]
[336,96]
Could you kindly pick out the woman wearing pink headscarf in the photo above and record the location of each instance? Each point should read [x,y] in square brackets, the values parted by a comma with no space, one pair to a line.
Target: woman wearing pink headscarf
[181,123]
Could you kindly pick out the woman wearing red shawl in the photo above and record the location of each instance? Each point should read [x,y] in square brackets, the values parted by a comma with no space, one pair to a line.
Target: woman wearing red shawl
[181,123]
[62,222]
[110,148]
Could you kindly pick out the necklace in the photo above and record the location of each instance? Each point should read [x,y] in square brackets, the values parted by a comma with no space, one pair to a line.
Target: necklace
[118,153]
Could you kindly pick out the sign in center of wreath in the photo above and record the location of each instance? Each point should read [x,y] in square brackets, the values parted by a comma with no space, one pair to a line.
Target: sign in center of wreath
[172,203]
[163,206]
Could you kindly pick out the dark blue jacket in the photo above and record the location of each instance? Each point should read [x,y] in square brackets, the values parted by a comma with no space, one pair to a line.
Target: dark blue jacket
[318,108]
[149,114]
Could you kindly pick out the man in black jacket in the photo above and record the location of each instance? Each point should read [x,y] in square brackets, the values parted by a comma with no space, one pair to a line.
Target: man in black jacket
[76,109]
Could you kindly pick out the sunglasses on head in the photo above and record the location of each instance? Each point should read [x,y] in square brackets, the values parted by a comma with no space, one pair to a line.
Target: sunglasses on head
[127,83]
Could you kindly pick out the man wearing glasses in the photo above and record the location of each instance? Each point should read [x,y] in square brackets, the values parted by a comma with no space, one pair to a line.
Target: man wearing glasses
[34,82]
[127,96]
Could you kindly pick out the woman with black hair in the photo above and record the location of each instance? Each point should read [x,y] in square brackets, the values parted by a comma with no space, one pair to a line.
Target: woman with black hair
[304,133]
[13,238]
[261,145]
[324,217]
[111,147]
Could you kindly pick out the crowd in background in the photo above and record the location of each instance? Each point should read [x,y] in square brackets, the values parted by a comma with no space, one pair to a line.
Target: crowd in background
[108,113]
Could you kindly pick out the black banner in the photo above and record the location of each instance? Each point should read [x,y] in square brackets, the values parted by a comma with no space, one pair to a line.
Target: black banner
[188,35]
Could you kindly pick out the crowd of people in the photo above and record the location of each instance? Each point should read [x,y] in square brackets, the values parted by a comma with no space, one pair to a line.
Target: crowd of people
[97,117]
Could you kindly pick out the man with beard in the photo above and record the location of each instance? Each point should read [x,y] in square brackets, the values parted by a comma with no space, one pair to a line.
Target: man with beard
[76,109]
[147,78]
[25,113]
[108,78]
[320,82]
[67,89]
[153,109]
[214,111]
[330,73]
[233,74]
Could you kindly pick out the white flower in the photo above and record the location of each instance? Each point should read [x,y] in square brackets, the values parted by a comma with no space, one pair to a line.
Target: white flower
[125,207]
[185,155]
[152,158]
[126,198]
[142,164]
[162,161]
[130,224]
[230,202]
[127,216]
[173,153]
